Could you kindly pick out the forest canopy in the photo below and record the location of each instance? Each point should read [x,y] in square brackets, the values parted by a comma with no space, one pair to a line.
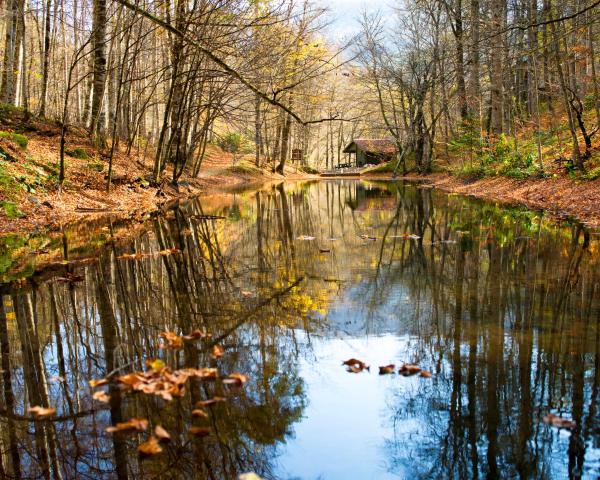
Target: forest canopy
[442,78]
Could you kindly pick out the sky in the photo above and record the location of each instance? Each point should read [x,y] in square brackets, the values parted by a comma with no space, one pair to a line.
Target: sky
[344,14]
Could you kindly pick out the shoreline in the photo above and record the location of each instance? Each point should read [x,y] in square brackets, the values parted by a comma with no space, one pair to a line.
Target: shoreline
[72,208]
[561,197]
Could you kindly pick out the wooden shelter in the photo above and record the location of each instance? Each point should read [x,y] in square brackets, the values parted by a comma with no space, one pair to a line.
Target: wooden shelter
[370,151]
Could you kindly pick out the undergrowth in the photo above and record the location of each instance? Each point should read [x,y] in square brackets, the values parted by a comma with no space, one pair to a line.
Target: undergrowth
[19,139]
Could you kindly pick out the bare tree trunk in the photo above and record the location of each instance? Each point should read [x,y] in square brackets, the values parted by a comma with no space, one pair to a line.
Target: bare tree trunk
[496,80]
[46,60]
[99,46]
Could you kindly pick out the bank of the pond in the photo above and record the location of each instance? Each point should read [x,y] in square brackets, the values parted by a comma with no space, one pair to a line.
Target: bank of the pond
[31,202]
[561,197]
[42,208]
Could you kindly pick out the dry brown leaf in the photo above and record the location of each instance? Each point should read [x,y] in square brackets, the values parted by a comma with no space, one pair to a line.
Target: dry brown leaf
[425,374]
[202,373]
[200,431]
[98,383]
[139,424]
[195,335]
[150,447]
[353,369]
[172,340]
[387,369]
[169,251]
[161,434]
[101,397]
[235,379]
[131,256]
[408,369]
[217,351]
[559,422]
[210,401]
[355,366]
[198,412]
[42,412]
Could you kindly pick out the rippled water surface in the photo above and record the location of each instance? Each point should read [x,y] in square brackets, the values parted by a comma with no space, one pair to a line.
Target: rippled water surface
[501,306]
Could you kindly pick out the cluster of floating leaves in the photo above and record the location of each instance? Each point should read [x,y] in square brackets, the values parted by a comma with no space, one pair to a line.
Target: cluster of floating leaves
[174,341]
[140,255]
[559,422]
[353,365]
[162,381]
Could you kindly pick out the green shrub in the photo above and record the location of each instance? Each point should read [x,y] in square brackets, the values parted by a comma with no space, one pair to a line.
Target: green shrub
[387,167]
[11,209]
[78,153]
[473,172]
[235,143]
[19,139]
[309,170]
[517,165]
[96,166]
[593,174]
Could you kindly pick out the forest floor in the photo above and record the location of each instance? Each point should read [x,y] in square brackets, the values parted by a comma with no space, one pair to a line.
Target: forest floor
[561,197]
[30,201]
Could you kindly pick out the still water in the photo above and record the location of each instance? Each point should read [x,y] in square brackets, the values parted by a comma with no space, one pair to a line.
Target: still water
[500,305]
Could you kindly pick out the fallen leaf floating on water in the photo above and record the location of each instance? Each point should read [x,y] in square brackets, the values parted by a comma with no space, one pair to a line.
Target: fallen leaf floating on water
[406,236]
[249,476]
[367,237]
[162,434]
[98,383]
[139,424]
[387,369]
[208,217]
[559,422]
[165,383]
[209,402]
[325,250]
[70,278]
[172,340]
[132,256]
[247,294]
[101,397]
[425,374]
[217,351]
[150,447]
[305,238]
[42,412]
[198,412]
[195,335]
[200,431]
[156,364]
[355,366]
[169,251]
[407,370]
[354,369]
[235,379]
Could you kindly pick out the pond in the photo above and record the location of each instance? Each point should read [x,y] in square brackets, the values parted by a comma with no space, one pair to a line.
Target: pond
[226,321]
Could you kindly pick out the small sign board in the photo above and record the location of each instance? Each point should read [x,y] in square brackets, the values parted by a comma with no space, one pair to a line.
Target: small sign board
[296,155]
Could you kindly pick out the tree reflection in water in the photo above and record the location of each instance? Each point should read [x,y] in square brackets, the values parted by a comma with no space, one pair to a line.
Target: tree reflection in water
[501,305]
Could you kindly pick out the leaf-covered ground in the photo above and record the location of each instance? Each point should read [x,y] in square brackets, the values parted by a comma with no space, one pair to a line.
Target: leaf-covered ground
[30,200]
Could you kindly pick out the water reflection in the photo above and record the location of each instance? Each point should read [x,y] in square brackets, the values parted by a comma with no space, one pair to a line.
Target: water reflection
[499,304]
